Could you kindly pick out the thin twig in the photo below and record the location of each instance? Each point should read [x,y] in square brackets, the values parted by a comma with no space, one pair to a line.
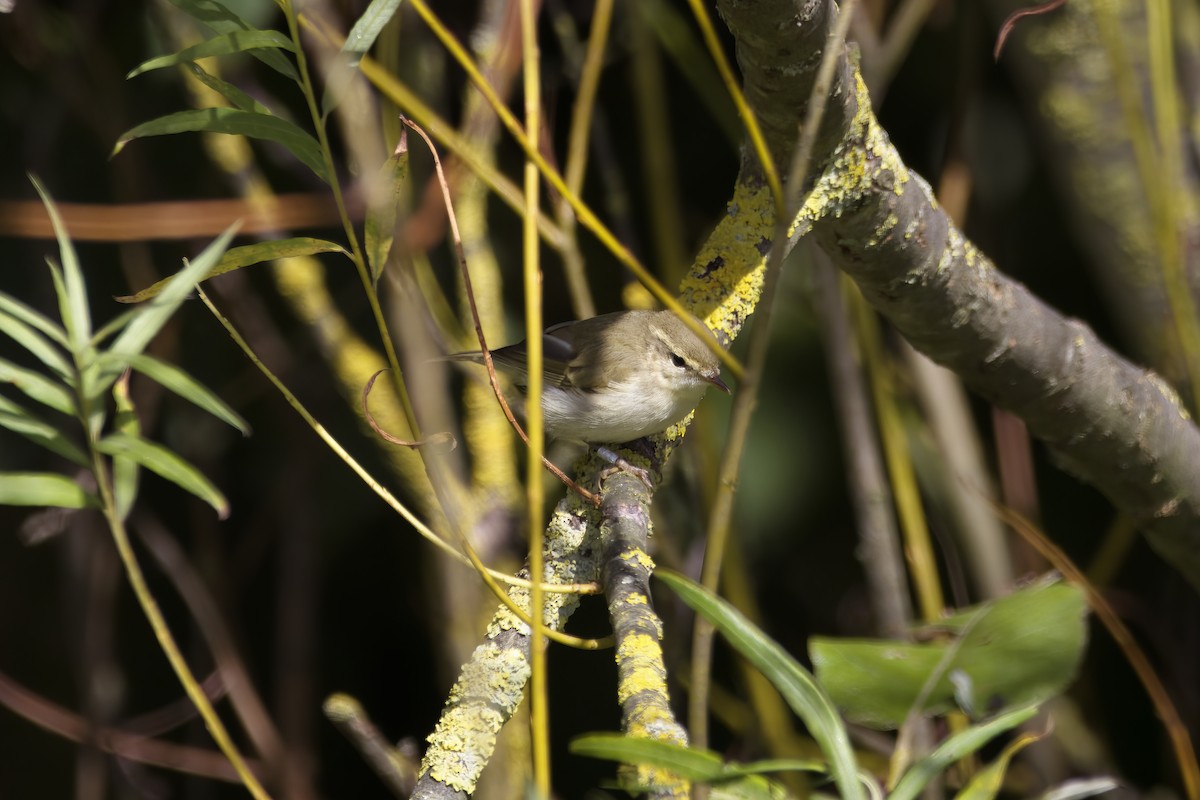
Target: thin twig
[483,348]
[746,400]
[438,438]
[119,742]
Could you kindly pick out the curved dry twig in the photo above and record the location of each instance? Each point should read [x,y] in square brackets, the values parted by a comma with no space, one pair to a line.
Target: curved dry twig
[437,438]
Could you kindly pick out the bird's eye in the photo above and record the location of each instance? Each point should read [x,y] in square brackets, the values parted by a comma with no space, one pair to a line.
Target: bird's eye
[677,360]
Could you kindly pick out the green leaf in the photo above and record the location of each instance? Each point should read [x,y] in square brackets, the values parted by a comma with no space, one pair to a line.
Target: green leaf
[18,420]
[368,27]
[686,762]
[234,121]
[37,344]
[37,387]
[176,380]
[246,256]
[1080,788]
[1020,649]
[221,20]
[166,464]
[125,470]
[73,297]
[227,90]
[360,39]
[154,315]
[380,226]
[222,45]
[957,747]
[690,763]
[43,489]
[789,678]
[145,325]
[987,782]
[33,318]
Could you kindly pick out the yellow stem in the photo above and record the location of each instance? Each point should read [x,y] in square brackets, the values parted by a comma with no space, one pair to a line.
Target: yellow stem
[538,694]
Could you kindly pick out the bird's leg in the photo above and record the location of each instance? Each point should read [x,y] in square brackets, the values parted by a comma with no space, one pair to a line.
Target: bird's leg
[621,465]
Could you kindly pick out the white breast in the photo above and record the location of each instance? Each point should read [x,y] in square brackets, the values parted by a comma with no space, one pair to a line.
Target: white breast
[625,411]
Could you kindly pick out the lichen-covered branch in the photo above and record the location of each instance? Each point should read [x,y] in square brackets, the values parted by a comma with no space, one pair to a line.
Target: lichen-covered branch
[492,682]
[1111,423]
[642,683]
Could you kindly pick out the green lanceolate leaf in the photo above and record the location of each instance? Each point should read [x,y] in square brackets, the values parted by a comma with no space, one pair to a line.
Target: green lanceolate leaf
[125,470]
[235,121]
[222,45]
[246,256]
[957,747]
[379,228]
[692,764]
[176,380]
[360,39]
[33,318]
[166,464]
[233,94]
[38,387]
[987,782]
[1020,649]
[73,294]
[221,20]
[368,27]
[37,344]
[43,489]
[686,762]
[18,420]
[792,681]
[154,315]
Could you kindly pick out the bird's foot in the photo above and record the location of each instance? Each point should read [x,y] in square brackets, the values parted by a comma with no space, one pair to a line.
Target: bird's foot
[621,465]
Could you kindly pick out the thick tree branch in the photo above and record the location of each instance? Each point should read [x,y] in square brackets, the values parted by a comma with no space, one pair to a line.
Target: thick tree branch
[642,684]
[1111,423]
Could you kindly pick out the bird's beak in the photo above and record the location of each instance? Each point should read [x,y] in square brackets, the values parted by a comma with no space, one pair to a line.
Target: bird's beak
[715,379]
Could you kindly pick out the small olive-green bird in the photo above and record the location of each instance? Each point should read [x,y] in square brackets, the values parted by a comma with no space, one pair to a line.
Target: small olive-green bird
[616,377]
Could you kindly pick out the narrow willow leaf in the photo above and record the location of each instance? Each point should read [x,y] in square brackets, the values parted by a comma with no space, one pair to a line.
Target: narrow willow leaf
[73,301]
[248,255]
[233,94]
[235,121]
[37,387]
[958,746]
[792,681]
[176,380]
[380,226]
[34,342]
[125,470]
[43,489]
[987,782]
[1019,649]
[221,20]
[1080,788]
[360,39]
[143,326]
[368,27]
[33,318]
[18,420]
[222,45]
[686,762]
[692,764]
[166,464]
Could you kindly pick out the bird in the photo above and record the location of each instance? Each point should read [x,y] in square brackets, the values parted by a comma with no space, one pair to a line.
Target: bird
[615,377]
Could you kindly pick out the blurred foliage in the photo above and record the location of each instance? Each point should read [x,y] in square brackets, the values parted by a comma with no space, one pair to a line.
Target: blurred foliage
[321,587]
